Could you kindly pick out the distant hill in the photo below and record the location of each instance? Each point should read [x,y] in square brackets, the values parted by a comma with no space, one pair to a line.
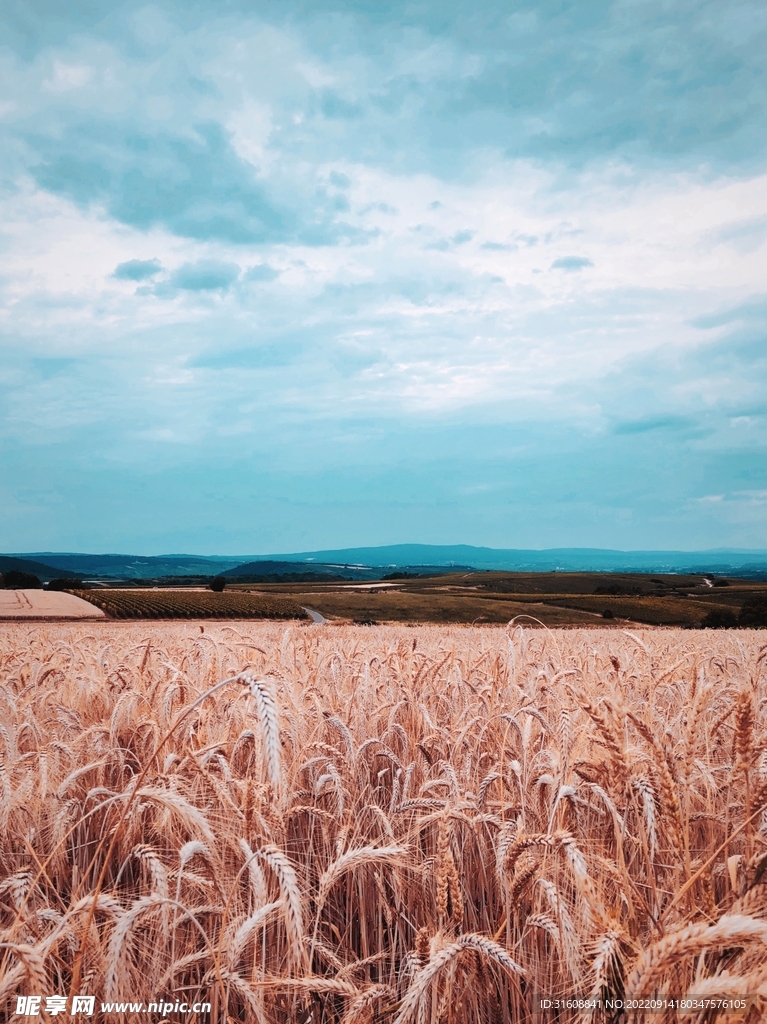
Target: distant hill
[134,566]
[265,570]
[399,556]
[8,563]
[374,562]
[268,570]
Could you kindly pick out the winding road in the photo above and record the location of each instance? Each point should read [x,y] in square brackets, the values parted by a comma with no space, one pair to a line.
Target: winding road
[316,617]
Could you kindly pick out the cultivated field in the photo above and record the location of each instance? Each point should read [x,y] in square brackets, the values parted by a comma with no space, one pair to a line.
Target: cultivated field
[432,824]
[191,604]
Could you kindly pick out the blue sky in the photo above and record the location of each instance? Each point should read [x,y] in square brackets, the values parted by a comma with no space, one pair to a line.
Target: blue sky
[283,276]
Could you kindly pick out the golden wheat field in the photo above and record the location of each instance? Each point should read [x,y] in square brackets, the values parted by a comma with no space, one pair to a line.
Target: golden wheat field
[433,825]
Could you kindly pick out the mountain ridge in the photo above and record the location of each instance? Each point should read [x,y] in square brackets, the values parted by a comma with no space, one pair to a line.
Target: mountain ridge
[404,556]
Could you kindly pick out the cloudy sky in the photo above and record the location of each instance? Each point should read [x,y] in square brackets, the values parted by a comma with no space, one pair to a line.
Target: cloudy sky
[277,276]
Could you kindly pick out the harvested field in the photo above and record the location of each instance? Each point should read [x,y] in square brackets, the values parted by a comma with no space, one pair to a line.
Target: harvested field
[44,604]
[389,824]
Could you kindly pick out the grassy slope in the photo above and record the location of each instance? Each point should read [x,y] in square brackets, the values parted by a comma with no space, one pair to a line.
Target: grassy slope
[433,606]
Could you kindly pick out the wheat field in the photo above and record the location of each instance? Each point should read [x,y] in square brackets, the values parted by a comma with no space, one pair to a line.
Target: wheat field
[433,825]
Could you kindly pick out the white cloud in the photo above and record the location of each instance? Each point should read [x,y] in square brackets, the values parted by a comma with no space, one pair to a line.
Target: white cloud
[67,77]
[456,327]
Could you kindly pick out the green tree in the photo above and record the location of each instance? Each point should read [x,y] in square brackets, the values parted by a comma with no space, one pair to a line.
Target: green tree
[16,580]
[753,613]
[720,618]
[67,584]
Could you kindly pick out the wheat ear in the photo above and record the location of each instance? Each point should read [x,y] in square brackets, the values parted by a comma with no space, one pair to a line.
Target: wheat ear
[354,859]
[360,1008]
[489,949]
[734,929]
[32,964]
[270,727]
[288,880]
[244,991]
[334,986]
[242,933]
